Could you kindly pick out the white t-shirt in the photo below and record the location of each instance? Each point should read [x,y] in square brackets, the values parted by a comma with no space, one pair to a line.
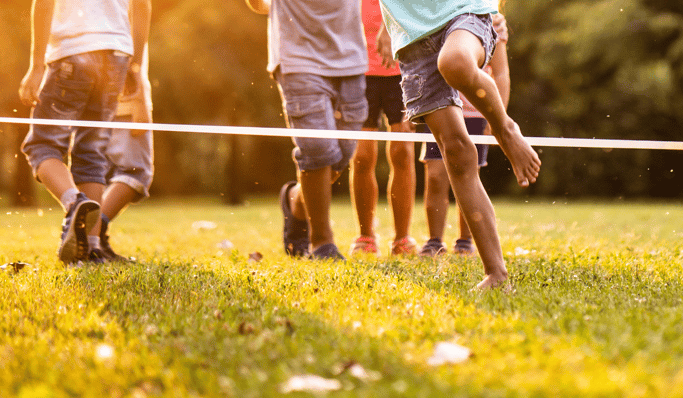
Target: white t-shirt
[81,26]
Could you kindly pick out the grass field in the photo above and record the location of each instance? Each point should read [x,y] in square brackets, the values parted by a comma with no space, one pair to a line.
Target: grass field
[597,307]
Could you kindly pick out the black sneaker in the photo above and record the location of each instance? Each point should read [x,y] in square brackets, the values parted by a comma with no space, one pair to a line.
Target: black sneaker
[327,251]
[109,253]
[79,220]
[433,248]
[96,256]
[295,231]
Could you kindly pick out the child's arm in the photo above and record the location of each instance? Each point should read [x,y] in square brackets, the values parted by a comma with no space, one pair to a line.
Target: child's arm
[41,24]
[500,67]
[259,6]
[384,47]
[141,11]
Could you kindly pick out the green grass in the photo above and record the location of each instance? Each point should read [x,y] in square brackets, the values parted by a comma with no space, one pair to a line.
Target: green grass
[597,308]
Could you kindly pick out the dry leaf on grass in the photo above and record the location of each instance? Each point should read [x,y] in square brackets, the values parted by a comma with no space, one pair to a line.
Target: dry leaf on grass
[310,383]
[449,353]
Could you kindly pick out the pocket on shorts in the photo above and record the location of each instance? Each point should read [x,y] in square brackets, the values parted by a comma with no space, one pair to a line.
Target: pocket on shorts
[69,96]
[305,105]
[307,112]
[355,112]
[412,86]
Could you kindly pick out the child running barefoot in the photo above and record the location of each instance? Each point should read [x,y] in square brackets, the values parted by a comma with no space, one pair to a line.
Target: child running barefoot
[441,50]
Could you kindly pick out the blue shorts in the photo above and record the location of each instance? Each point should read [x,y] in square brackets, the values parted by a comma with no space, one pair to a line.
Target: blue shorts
[384,96]
[323,103]
[475,126]
[131,159]
[424,89]
[79,87]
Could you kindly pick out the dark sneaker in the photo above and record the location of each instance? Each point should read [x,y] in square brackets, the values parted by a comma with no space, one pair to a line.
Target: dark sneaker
[79,220]
[295,231]
[96,256]
[327,251]
[464,247]
[433,248]
[109,253]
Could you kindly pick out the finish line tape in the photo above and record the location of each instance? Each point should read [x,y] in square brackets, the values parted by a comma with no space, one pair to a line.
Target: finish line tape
[353,135]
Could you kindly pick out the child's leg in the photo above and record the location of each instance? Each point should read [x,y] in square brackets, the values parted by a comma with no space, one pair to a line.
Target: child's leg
[401,186]
[460,156]
[364,190]
[56,177]
[316,195]
[459,63]
[437,190]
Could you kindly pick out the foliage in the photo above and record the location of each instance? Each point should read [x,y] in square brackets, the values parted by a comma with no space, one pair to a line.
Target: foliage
[604,69]
[596,309]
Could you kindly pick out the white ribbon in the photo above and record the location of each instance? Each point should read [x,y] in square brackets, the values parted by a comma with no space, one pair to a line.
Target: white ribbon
[354,135]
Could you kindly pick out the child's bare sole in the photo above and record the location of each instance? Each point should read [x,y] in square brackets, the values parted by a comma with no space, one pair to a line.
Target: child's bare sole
[524,160]
[494,282]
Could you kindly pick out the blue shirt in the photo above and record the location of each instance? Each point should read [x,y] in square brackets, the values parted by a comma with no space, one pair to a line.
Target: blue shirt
[408,21]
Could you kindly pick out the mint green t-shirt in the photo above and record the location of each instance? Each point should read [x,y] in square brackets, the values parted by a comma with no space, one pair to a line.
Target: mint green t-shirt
[408,21]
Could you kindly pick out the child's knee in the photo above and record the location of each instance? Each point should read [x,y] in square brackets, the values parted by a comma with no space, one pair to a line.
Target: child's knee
[456,67]
[364,160]
[401,154]
[460,157]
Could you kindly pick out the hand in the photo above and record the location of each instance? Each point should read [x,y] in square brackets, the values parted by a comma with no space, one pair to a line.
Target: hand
[29,89]
[384,48]
[137,92]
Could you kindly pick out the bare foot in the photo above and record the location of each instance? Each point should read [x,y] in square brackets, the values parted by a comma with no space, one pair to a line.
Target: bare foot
[524,160]
[493,281]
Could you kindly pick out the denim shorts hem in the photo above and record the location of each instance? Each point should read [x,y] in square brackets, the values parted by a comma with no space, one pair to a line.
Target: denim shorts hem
[334,159]
[416,115]
[137,186]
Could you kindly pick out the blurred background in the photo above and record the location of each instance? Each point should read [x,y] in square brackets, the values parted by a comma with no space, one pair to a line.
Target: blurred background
[583,69]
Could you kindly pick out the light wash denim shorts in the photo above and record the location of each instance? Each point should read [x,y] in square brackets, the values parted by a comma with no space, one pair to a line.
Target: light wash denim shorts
[79,87]
[324,103]
[131,158]
[424,89]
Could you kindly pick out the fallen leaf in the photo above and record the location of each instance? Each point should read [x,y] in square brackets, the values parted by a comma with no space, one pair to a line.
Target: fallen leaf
[203,225]
[15,266]
[255,256]
[452,353]
[310,383]
[225,245]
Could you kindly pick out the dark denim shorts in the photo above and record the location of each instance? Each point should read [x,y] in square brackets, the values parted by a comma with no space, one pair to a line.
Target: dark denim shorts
[384,96]
[324,103]
[475,126]
[424,89]
[79,87]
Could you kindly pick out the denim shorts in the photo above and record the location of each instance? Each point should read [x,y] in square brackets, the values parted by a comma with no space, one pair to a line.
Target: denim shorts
[424,89]
[79,87]
[131,158]
[325,103]
[384,96]
[475,126]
